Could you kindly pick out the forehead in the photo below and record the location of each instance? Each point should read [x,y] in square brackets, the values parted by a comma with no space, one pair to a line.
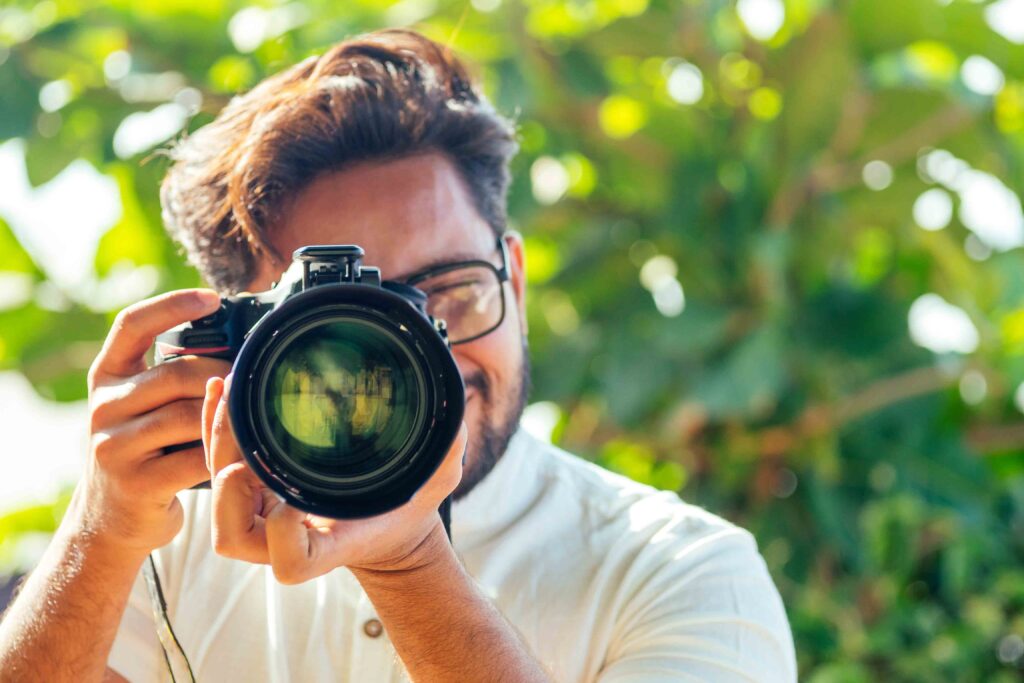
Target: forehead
[406,213]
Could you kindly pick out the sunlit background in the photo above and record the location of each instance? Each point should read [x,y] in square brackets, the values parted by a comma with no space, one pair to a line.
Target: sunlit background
[774,263]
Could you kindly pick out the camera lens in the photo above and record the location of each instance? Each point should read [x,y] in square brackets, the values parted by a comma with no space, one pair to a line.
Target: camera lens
[345,400]
[342,399]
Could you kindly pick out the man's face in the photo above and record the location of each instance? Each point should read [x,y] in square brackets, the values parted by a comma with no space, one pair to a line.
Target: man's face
[410,214]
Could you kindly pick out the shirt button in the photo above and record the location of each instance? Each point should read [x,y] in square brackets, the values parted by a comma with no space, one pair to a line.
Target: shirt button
[373,628]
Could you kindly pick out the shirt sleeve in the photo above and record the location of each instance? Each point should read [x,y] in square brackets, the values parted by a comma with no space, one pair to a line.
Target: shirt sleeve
[136,652]
[708,612]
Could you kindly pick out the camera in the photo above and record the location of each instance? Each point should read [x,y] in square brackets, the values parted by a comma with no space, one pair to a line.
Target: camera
[345,397]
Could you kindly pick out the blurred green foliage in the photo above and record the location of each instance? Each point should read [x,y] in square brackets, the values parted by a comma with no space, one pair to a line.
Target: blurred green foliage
[27,527]
[721,270]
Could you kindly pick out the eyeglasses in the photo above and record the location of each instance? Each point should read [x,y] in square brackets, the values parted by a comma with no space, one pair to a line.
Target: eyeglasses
[467,295]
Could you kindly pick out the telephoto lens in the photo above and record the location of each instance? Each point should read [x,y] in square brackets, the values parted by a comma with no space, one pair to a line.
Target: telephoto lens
[345,397]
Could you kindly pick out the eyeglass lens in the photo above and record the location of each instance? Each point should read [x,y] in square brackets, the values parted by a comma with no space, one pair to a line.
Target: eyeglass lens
[469,299]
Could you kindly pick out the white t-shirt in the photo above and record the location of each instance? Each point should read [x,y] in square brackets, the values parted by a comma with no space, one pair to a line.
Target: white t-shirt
[605,579]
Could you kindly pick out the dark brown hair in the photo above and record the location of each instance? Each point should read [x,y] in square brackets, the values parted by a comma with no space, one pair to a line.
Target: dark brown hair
[380,95]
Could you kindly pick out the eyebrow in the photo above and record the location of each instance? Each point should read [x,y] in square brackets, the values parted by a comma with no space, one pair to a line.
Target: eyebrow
[439,263]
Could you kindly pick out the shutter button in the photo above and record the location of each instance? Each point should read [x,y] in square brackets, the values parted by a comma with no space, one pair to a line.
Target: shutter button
[373,628]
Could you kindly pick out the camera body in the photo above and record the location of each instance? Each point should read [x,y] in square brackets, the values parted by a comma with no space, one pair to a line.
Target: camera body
[345,396]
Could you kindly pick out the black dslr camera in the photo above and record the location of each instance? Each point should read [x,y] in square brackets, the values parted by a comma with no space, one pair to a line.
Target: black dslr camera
[345,397]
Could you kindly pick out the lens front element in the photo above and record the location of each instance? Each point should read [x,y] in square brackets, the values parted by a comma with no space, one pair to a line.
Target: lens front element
[343,398]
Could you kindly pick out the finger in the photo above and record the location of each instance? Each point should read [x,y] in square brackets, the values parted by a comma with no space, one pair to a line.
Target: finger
[448,474]
[239,498]
[136,327]
[181,378]
[223,447]
[295,549]
[177,471]
[237,529]
[214,390]
[144,436]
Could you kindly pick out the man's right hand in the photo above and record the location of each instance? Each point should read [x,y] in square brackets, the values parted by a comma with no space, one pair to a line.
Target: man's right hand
[62,625]
[126,498]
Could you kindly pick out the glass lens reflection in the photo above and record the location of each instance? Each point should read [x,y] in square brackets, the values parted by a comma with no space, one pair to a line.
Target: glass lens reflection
[468,299]
[346,398]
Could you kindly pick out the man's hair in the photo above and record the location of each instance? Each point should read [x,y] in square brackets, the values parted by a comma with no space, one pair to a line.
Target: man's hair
[376,96]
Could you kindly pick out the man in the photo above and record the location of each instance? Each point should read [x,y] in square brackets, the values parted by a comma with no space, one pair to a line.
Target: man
[557,571]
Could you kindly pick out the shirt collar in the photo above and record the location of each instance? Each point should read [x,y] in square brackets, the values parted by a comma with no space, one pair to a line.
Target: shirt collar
[501,497]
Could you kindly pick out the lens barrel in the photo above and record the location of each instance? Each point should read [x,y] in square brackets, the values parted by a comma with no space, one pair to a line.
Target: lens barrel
[345,399]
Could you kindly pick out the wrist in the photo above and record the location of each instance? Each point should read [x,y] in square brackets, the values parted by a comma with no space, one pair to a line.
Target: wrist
[124,534]
[102,548]
[85,539]
[432,551]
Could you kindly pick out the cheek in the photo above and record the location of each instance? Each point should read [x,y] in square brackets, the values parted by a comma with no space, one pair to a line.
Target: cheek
[495,357]
[496,360]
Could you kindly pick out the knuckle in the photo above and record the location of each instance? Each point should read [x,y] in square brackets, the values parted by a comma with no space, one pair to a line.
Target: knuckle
[103,407]
[122,321]
[229,477]
[92,377]
[98,416]
[452,479]
[289,572]
[105,448]
[223,543]
[124,318]
[231,480]
[239,474]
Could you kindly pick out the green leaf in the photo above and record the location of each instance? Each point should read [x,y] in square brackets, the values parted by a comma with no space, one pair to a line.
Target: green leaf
[13,256]
[749,380]
[817,72]
[134,238]
[46,157]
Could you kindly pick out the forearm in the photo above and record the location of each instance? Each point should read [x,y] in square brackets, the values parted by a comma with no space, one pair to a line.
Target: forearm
[62,624]
[443,627]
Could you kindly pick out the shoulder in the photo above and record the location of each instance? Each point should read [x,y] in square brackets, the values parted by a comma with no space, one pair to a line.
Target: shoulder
[646,534]
[687,588]
[606,501]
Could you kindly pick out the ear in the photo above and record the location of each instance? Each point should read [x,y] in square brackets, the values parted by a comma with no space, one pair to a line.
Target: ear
[517,274]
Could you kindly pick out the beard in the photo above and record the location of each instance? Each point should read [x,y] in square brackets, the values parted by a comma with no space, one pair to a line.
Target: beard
[498,424]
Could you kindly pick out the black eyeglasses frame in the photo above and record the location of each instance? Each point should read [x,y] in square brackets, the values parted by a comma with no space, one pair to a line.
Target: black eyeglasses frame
[503,273]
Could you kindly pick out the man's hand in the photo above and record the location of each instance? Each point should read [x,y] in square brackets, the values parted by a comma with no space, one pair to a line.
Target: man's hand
[127,496]
[62,625]
[250,522]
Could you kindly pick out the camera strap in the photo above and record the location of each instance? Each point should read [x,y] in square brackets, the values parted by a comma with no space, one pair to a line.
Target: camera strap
[178,665]
[177,662]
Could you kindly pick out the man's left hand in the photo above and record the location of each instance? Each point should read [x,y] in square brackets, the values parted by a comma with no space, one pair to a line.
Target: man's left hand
[251,523]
